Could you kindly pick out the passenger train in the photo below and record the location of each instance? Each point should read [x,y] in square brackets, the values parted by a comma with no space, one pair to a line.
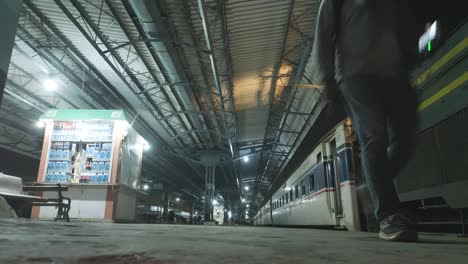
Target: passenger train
[323,190]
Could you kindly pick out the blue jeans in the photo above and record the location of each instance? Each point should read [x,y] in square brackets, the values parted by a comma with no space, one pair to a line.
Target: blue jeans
[383,112]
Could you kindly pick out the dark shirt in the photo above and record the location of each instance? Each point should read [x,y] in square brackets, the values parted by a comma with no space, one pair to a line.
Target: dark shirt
[360,37]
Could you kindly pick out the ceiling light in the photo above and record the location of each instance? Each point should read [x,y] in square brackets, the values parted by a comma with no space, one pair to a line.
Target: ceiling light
[246,188]
[145,187]
[247,206]
[40,124]
[50,84]
[243,200]
[146,145]
[246,159]
[177,199]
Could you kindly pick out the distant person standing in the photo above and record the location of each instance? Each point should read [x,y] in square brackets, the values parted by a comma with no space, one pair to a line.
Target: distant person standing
[360,54]
[171,217]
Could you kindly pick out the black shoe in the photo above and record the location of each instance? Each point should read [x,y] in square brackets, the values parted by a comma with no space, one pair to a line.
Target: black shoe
[396,227]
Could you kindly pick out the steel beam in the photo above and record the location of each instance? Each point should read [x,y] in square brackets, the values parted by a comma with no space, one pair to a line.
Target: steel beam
[214,70]
[145,125]
[155,78]
[274,81]
[116,56]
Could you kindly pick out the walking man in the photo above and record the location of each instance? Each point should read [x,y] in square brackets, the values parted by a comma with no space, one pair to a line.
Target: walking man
[360,55]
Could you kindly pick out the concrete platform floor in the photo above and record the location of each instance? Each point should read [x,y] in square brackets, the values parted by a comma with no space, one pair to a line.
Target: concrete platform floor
[48,242]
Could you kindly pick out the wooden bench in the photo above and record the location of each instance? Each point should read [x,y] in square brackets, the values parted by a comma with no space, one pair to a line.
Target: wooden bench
[12,189]
[59,202]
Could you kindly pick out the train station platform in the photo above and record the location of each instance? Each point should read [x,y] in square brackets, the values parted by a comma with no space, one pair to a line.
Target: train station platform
[50,242]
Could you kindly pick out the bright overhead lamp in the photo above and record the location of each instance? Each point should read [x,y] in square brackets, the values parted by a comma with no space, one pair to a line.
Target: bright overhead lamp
[40,124]
[177,199]
[247,206]
[50,84]
[146,146]
[243,200]
[246,188]
[145,187]
[246,159]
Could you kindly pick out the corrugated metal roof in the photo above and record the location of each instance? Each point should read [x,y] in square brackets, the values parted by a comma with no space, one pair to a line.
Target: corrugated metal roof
[255,34]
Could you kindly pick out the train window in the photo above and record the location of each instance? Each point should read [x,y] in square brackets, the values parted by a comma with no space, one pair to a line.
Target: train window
[287,201]
[303,187]
[291,195]
[319,157]
[311,183]
[297,191]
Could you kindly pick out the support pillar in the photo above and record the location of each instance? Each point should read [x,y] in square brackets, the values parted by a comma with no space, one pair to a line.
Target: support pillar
[9,14]
[209,191]
[191,213]
[165,204]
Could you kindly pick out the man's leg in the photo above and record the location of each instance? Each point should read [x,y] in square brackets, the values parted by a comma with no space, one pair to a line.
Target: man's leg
[364,100]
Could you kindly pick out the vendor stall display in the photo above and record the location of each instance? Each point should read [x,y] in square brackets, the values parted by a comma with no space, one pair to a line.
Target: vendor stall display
[98,155]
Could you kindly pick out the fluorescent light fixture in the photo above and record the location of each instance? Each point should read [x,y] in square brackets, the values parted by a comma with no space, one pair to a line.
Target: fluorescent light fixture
[40,124]
[50,84]
[146,145]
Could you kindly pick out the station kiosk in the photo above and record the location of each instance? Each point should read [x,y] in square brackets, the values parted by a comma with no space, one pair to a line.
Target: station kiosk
[98,155]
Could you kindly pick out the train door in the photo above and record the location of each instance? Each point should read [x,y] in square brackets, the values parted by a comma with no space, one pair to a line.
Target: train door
[335,173]
[270,213]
